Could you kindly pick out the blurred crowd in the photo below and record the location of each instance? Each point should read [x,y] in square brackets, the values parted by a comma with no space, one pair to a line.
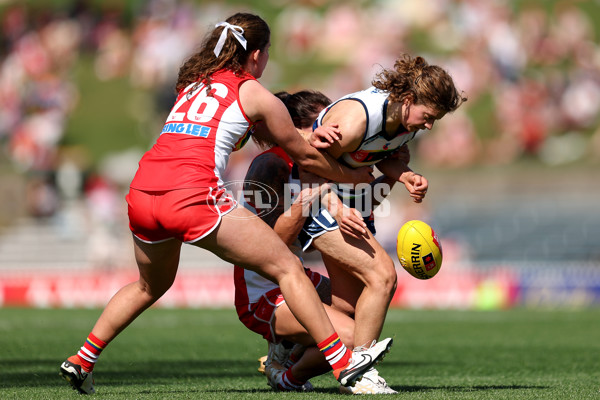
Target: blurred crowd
[531,75]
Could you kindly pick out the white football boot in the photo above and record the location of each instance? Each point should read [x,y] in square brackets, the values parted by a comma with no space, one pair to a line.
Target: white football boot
[371,383]
[79,380]
[362,360]
[274,372]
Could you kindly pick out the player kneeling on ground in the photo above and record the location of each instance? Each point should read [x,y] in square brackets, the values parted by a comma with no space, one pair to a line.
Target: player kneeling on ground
[293,357]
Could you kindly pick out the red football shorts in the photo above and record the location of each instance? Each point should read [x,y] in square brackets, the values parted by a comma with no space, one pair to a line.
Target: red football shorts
[184,214]
[258,317]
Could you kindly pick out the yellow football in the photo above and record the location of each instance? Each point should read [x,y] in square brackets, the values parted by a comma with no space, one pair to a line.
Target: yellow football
[419,249]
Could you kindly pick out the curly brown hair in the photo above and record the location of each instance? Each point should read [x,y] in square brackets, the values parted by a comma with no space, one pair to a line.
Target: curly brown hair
[416,80]
[201,65]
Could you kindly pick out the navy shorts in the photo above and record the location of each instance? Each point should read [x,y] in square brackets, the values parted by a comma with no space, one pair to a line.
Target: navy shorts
[322,222]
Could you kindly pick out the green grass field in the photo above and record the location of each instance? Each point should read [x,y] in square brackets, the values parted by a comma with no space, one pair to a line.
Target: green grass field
[208,354]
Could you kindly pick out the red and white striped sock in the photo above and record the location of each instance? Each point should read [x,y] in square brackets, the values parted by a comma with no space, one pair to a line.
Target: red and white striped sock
[289,382]
[335,352]
[90,351]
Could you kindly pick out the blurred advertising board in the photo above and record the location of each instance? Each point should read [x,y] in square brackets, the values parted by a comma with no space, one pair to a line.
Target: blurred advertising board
[454,287]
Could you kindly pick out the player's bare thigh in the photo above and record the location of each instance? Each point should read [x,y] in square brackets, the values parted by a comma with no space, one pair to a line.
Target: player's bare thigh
[345,288]
[245,240]
[287,327]
[358,257]
[157,263]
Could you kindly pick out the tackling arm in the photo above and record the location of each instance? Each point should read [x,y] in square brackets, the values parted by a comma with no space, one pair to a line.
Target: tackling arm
[261,104]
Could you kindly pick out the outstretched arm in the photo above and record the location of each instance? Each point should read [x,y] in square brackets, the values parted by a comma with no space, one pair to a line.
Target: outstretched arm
[260,104]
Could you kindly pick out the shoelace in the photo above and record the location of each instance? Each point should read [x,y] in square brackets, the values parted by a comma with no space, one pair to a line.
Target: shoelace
[363,347]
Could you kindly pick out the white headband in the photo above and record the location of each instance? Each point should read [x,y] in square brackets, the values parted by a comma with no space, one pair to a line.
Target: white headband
[238,33]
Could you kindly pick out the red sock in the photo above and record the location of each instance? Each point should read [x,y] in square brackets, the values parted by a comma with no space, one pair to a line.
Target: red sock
[90,351]
[293,359]
[289,382]
[335,352]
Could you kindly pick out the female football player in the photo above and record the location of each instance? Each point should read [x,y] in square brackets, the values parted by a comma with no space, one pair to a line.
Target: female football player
[260,304]
[375,125]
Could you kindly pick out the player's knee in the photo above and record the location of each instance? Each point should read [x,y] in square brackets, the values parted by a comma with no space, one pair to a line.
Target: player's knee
[286,267]
[383,277]
[391,278]
[344,306]
[154,291]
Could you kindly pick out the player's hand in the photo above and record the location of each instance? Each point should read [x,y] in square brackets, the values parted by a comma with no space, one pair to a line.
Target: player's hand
[416,185]
[349,219]
[324,136]
[352,223]
[363,174]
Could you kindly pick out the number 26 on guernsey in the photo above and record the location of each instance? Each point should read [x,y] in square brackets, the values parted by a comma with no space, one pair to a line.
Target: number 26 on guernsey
[192,109]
